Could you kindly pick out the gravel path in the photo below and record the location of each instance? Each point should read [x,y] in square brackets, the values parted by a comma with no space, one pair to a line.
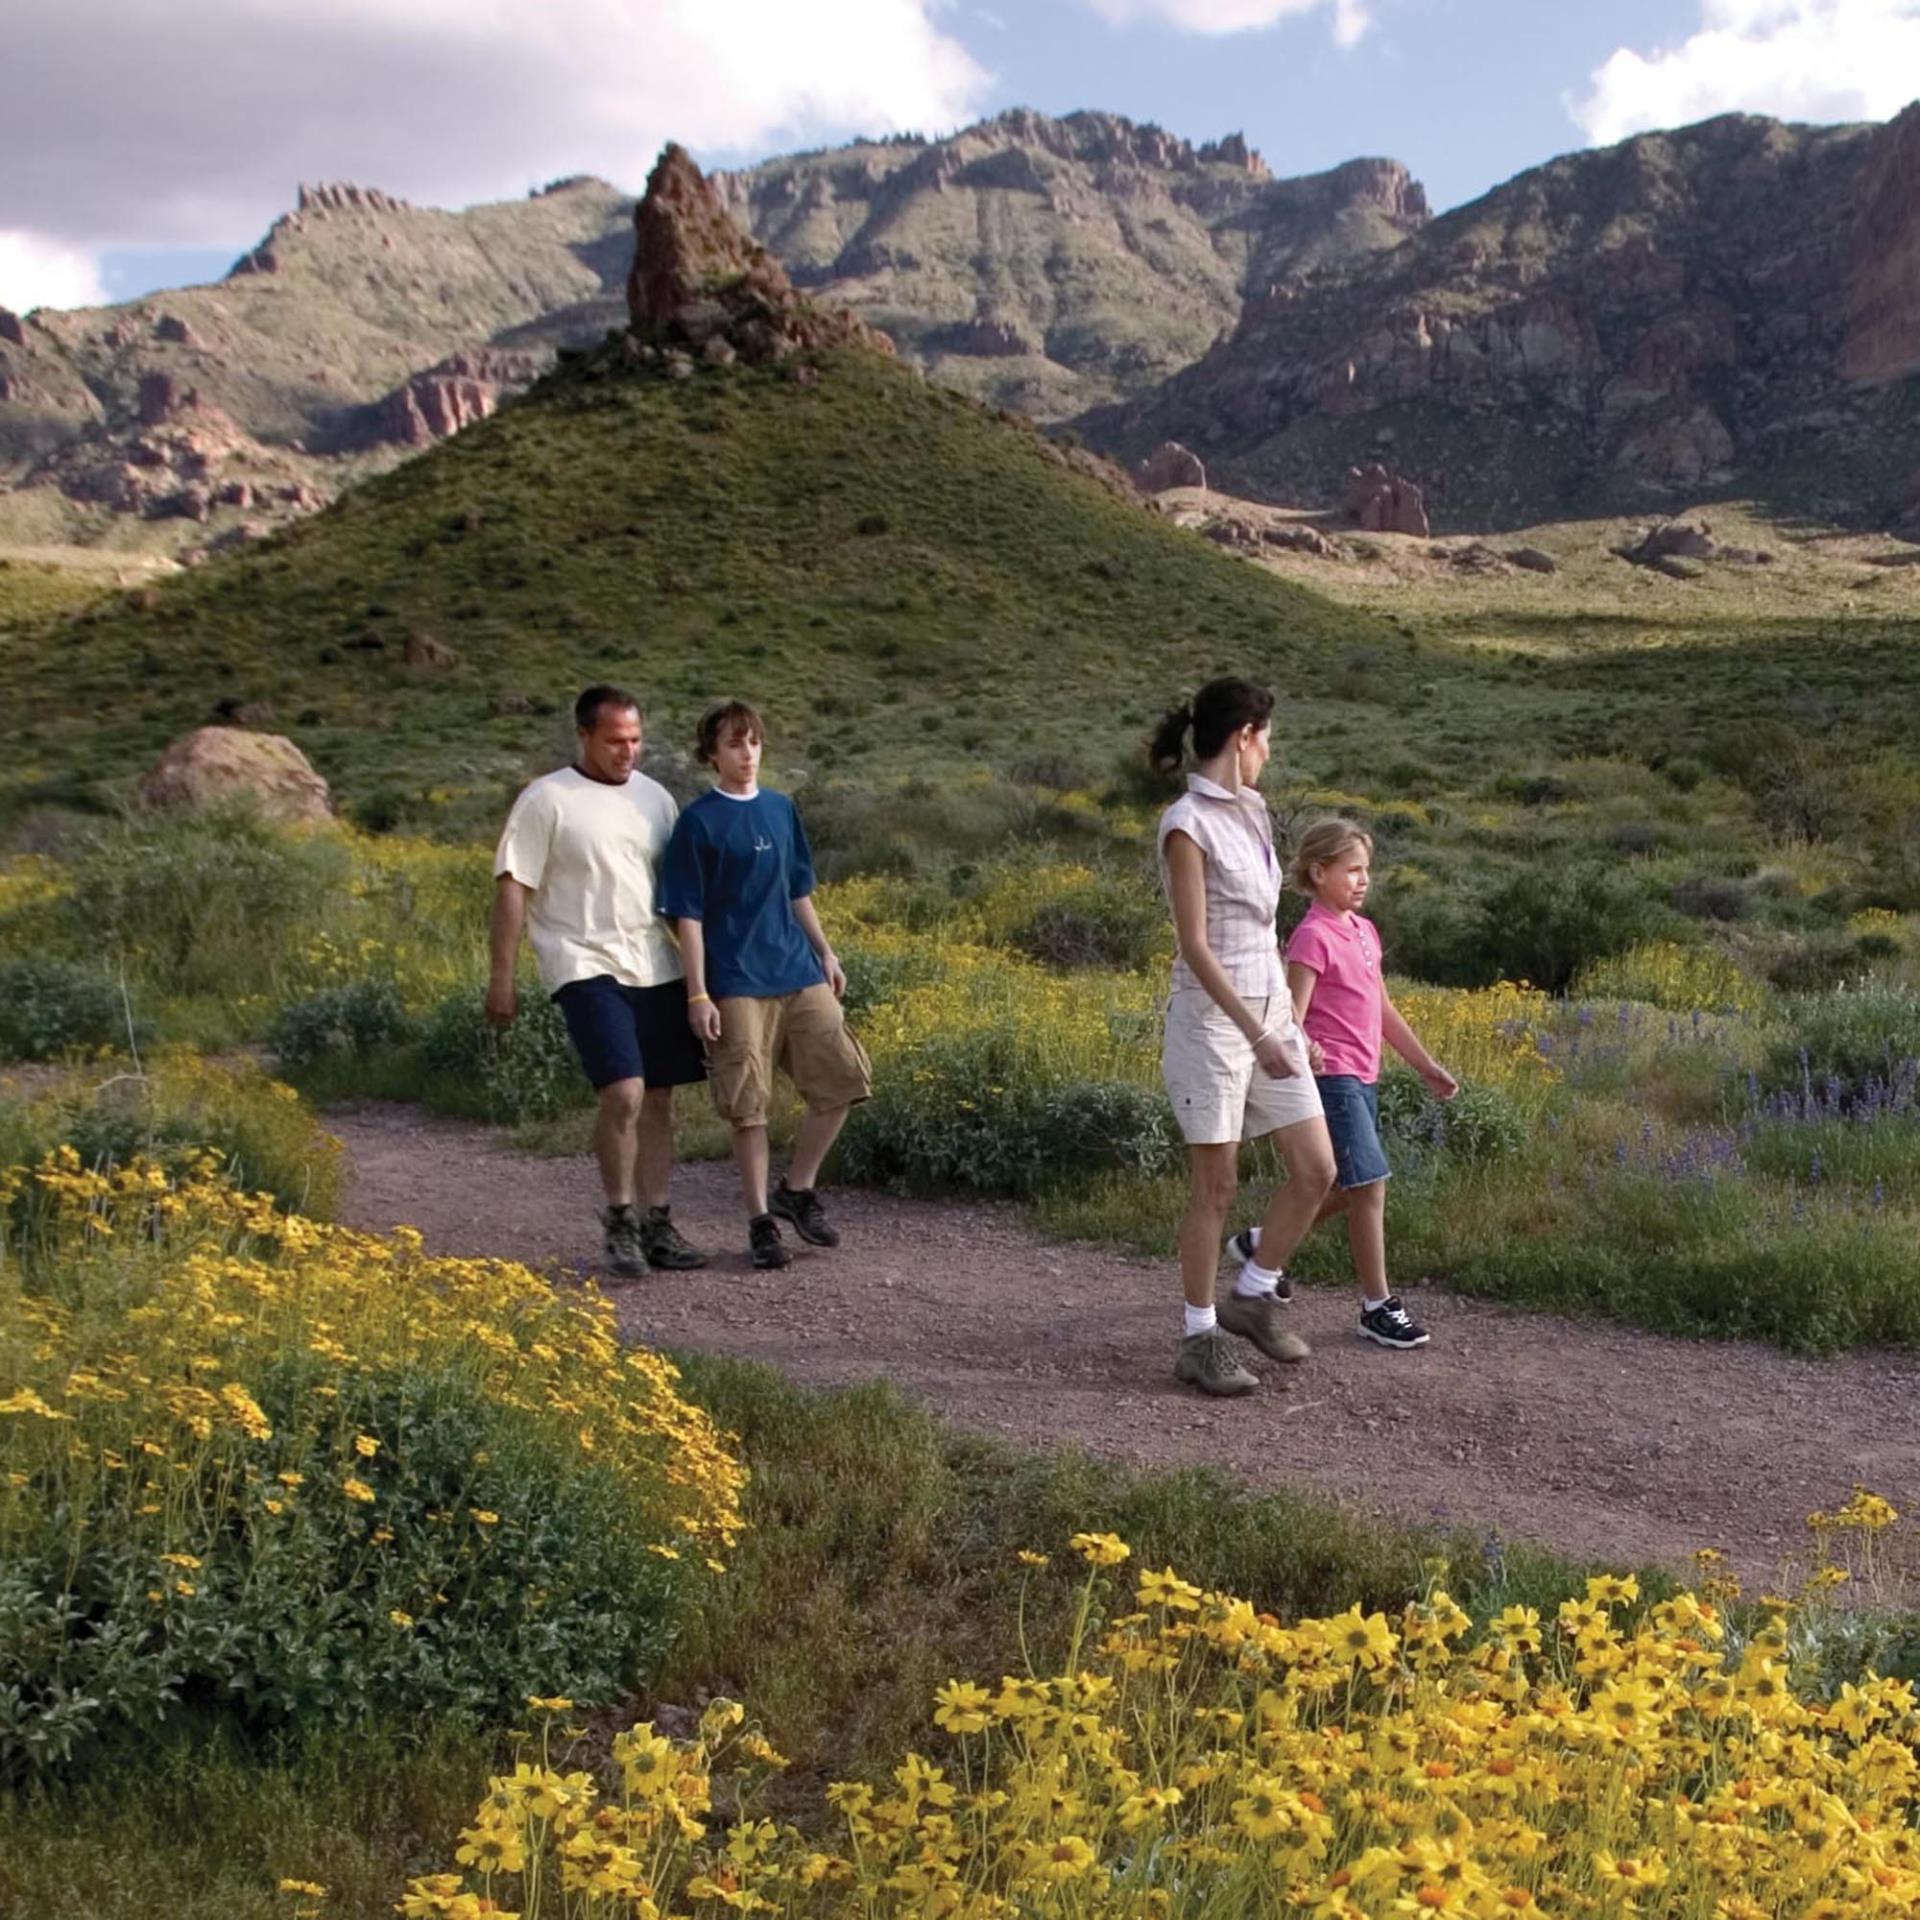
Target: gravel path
[1599,1441]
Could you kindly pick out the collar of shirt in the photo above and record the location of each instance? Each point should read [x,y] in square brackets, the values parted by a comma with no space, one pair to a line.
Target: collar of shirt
[1348,923]
[752,793]
[1213,790]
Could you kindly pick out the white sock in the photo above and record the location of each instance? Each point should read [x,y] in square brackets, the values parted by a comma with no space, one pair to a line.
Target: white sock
[1201,1320]
[1253,1237]
[1255,1282]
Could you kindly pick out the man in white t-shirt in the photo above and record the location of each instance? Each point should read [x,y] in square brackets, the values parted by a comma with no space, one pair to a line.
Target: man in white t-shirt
[576,872]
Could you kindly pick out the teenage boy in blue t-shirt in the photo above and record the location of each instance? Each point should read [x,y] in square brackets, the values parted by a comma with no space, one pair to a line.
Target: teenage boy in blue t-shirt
[763,986]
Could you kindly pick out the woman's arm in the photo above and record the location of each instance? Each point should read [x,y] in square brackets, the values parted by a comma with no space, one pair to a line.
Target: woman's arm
[1187,877]
[1406,1043]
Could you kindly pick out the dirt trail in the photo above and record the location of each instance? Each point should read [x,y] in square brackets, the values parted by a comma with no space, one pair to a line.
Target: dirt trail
[1599,1441]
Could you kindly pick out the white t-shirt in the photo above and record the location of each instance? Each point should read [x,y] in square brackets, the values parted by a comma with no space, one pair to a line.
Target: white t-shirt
[589,853]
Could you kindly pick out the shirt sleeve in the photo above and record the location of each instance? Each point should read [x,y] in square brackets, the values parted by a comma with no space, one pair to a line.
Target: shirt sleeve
[1307,946]
[683,880]
[800,864]
[526,840]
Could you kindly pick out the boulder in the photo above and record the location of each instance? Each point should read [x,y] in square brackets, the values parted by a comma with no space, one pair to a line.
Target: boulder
[1380,500]
[1303,539]
[215,765]
[11,329]
[1170,465]
[428,653]
[1672,540]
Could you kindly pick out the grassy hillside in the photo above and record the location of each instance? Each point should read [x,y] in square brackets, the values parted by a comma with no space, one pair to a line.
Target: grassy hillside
[906,580]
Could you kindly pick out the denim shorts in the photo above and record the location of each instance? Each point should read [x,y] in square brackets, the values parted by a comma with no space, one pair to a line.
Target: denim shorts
[631,1033]
[1353,1124]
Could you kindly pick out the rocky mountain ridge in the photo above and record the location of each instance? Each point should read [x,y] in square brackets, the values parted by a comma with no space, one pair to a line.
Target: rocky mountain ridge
[1733,306]
[1048,264]
[359,329]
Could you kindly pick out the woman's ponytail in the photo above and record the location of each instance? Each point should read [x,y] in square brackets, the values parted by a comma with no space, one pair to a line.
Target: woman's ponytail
[1214,715]
[1168,746]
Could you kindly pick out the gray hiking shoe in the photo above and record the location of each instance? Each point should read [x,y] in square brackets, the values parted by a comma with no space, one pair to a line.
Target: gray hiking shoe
[1240,1249]
[1257,1318]
[626,1249]
[1208,1361]
[664,1245]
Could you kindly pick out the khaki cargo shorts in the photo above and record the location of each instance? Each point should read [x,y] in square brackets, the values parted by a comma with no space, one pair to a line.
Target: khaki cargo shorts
[805,1034]
[1220,1092]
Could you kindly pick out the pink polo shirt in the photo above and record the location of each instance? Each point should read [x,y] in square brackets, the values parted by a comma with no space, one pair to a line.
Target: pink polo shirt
[1344,1013]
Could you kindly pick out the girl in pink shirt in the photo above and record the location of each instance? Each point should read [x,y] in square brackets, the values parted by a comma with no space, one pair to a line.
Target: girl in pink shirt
[1340,1000]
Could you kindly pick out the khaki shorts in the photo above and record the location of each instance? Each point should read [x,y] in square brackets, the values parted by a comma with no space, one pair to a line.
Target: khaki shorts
[806,1035]
[1220,1092]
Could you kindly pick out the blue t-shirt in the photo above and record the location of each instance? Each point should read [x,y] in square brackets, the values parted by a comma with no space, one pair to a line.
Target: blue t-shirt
[738,866]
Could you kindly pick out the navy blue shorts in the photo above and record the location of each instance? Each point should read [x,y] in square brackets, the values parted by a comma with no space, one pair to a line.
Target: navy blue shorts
[632,1033]
[1353,1123]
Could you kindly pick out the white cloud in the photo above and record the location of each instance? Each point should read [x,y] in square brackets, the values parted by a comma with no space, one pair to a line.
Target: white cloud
[36,271]
[1819,60]
[127,124]
[1216,17]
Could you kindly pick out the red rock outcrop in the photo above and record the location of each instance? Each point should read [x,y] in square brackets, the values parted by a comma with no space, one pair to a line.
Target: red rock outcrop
[12,330]
[696,276]
[1378,500]
[440,400]
[342,196]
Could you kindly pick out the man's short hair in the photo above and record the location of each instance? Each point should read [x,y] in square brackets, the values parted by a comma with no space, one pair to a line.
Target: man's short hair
[586,710]
[723,718]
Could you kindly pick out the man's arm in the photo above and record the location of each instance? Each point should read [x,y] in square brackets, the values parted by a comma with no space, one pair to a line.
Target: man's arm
[503,938]
[809,917]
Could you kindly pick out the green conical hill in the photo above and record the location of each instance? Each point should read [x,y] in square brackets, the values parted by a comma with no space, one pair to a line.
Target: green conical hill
[904,579]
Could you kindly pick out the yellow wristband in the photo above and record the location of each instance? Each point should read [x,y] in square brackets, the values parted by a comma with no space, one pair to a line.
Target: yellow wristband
[694,999]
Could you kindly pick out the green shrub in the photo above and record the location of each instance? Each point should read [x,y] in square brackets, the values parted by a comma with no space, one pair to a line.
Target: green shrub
[1544,924]
[527,1071]
[1843,1043]
[1478,1123]
[323,1481]
[964,1111]
[217,904]
[1093,927]
[49,1008]
[259,1130]
[351,1022]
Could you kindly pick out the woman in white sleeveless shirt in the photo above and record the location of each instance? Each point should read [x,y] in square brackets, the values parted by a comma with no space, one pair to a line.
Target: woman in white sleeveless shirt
[1236,1063]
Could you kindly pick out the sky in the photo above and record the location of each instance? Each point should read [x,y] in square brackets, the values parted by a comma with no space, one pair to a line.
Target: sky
[144,146]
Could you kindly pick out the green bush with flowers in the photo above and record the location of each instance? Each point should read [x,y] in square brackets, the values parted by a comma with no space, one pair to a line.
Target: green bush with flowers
[280,1473]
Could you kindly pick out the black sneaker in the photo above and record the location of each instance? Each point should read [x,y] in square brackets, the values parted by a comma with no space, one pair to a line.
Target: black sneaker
[662,1243]
[1391,1324]
[626,1247]
[801,1207]
[764,1244]
[1240,1251]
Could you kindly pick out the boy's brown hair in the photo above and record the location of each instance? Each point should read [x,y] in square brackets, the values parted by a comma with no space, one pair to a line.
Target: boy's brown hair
[723,718]
[1320,845]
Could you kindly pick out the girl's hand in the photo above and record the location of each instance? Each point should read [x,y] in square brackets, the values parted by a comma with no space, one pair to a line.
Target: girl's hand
[1440,1083]
[1276,1056]
[1316,1057]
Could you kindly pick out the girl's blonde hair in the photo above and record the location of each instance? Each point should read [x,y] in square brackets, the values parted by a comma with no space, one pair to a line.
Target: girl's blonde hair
[1322,843]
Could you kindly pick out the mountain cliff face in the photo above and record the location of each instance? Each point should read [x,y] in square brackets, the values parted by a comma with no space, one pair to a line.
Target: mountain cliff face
[359,328]
[1734,306]
[1049,265]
